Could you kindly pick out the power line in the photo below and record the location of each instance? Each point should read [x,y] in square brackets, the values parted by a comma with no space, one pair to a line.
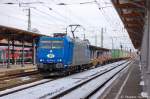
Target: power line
[25,20]
[103,13]
[79,19]
[45,16]
[57,13]
[13,17]
[57,19]
[29,21]
[76,17]
[79,3]
[69,12]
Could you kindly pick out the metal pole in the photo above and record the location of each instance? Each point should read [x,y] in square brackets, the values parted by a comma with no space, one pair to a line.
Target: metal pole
[22,52]
[84,36]
[8,60]
[112,43]
[95,39]
[102,37]
[66,31]
[29,19]
[148,37]
[34,52]
[121,49]
[13,50]
[130,52]
[3,57]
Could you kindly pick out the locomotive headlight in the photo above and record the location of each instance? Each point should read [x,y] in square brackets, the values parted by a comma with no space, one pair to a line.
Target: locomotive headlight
[59,60]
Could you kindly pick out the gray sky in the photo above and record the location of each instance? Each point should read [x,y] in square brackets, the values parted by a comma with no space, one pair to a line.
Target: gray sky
[49,17]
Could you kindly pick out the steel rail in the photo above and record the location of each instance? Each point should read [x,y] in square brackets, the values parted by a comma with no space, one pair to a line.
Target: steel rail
[79,85]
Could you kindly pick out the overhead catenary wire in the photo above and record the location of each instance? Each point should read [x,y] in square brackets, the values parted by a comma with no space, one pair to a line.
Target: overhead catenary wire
[68,18]
[99,7]
[110,18]
[21,20]
[103,14]
[74,16]
[53,18]
[48,15]
[112,21]
[52,9]
[62,17]
[51,15]
[45,16]
[107,15]
[24,20]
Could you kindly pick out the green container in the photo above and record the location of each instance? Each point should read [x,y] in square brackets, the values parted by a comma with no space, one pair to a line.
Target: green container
[117,53]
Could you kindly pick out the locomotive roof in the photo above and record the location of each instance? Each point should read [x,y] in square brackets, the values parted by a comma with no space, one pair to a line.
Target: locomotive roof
[57,38]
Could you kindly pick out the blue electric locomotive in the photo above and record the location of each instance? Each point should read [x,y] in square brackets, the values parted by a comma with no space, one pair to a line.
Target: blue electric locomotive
[62,54]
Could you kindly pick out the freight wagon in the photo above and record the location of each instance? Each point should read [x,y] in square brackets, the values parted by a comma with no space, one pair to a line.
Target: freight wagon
[117,54]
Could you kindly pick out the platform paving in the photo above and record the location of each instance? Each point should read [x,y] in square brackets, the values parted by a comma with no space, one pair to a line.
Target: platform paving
[16,68]
[128,85]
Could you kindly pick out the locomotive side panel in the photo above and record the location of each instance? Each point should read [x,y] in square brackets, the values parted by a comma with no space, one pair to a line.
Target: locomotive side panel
[81,54]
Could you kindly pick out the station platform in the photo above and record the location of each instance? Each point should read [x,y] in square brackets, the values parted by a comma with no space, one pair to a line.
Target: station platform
[13,69]
[127,86]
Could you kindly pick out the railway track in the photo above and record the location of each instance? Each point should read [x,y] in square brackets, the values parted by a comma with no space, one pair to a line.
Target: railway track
[110,79]
[16,89]
[19,78]
[57,89]
[87,96]
[16,75]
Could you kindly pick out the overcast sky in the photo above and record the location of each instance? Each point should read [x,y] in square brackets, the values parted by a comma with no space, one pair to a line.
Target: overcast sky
[49,17]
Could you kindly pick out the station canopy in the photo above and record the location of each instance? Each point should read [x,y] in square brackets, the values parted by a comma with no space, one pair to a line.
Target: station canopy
[17,34]
[132,14]
[92,47]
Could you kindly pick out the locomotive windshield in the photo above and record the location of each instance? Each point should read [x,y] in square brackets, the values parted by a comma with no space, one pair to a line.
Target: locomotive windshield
[51,44]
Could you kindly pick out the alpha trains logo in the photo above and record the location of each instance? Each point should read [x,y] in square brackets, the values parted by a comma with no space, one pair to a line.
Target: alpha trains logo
[50,55]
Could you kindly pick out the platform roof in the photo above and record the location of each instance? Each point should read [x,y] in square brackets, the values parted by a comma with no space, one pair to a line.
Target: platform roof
[92,47]
[17,34]
[132,14]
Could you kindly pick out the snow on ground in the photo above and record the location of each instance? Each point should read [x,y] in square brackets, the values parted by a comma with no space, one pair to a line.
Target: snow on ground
[85,90]
[57,86]
[109,85]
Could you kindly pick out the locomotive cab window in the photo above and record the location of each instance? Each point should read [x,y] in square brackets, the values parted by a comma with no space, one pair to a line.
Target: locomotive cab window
[57,44]
[49,44]
[45,44]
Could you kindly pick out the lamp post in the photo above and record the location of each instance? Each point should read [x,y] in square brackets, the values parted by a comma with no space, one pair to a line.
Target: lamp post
[112,42]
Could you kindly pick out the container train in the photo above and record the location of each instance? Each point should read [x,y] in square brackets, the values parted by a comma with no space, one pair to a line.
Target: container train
[61,55]
[109,56]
